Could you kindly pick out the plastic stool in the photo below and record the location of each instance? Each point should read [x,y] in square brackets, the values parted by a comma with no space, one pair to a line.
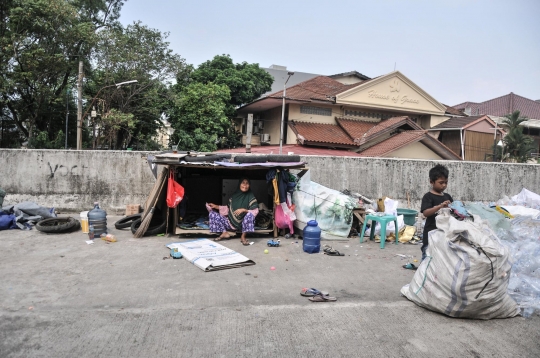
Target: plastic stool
[383,220]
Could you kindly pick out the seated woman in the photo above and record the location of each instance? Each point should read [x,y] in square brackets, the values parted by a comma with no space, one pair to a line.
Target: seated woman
[238,215]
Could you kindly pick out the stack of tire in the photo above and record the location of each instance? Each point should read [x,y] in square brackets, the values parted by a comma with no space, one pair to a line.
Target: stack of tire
[272,158]
[157,226]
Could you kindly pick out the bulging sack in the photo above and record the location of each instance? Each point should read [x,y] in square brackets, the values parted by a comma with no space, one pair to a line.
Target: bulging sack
[466,272]
[175,191]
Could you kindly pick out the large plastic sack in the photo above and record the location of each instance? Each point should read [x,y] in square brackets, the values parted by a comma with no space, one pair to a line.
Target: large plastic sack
[526,197]
[466,272]
[332,210]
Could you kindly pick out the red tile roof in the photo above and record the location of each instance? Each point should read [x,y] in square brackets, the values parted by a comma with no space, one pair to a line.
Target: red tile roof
[386,126]
[457,122]
[320,88]
[453,111]
[321,133]
[504,105]
[355,128]
[296,149]
[393,143]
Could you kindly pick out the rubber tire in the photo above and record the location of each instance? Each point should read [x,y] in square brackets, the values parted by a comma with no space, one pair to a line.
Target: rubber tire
[207,158]
[126,222]
[251,158]
[152,229]
[224,155]
[58,225]
[277,158]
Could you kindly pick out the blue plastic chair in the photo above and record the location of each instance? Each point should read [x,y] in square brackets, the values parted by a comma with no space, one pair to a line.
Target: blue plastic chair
[383,220]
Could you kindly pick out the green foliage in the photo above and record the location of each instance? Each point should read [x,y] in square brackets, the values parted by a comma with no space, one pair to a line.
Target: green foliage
[200,116]
[41,139]
[517,146]
[110,125]
[245,81]
[41,42]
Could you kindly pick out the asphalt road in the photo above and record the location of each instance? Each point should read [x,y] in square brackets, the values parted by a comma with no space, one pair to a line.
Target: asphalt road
[60,297]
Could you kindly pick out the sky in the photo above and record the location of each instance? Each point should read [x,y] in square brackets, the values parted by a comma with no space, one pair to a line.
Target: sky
[455,50]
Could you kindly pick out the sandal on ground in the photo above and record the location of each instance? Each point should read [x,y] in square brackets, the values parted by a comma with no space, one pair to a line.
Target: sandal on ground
[328,250]
[245,243]
[409,266]
[321,298]
[310,292]
[334,253]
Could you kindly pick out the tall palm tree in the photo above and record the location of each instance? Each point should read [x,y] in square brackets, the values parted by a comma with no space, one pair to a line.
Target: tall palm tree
[518,145]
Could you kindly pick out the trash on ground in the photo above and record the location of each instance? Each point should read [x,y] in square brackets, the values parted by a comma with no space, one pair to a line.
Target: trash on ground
[89,242]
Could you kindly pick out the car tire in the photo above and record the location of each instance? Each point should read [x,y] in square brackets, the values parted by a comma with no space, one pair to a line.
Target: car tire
[251,158]
[156,226]
[206,158]
[277,158]
[126,222]
[58,225]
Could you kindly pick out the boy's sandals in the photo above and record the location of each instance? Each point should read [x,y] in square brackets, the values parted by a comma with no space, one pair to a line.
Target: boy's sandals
[322,298]
[310,292]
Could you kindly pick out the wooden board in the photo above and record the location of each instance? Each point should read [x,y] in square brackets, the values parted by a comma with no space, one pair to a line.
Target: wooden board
[180,231]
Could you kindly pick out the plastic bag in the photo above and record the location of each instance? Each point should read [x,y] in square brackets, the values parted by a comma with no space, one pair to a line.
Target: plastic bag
[282,220]
[175,191]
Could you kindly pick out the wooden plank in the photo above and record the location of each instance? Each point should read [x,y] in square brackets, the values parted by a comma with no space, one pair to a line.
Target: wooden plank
[180,231]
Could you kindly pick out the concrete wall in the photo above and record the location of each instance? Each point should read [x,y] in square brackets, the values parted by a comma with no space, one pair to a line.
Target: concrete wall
[73,180]
[377,177]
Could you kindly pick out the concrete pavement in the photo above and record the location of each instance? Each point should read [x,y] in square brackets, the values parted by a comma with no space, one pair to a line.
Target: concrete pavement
[60,297]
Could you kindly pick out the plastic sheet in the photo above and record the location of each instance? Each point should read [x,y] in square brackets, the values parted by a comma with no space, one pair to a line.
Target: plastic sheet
[523,242]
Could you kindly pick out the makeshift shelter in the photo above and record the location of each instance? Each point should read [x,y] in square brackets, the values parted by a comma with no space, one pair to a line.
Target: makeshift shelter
[213,178]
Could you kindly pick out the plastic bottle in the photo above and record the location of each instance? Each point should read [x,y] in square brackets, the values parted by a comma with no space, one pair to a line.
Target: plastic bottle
[312,238]
[98,218]
[91,232]
[84,222]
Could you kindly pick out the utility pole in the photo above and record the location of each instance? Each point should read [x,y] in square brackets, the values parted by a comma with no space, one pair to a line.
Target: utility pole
[79,106]
[67,114]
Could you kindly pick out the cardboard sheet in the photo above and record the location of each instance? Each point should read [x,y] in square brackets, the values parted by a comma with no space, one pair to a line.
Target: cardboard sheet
[209,255]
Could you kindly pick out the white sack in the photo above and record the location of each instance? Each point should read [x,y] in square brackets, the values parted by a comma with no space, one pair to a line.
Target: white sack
[452,278]
[526,197]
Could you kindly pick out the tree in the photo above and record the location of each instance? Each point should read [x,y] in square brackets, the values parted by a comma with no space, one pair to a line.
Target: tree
[517,145]
[245,82]
[41,42]
[200,116]
[135,52]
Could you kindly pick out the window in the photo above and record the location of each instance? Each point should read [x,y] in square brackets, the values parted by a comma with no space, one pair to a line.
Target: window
[319,111]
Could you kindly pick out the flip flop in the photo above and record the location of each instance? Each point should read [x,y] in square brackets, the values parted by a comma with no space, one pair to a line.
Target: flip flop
[334,253]
[321,298]
[310,292]
[245,243]
[409,266]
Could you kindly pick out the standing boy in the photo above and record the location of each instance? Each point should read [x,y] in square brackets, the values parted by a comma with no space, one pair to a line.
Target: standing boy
[434,200]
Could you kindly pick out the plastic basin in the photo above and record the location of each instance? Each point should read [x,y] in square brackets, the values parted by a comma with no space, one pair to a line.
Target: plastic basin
[409,216]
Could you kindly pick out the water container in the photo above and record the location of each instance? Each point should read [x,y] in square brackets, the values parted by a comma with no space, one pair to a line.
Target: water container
[98,219]
[312,238]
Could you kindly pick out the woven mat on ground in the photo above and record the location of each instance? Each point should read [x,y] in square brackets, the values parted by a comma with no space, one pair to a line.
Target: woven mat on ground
[209,255]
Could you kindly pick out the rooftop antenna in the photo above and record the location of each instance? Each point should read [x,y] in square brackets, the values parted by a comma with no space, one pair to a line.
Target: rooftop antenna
[394,66]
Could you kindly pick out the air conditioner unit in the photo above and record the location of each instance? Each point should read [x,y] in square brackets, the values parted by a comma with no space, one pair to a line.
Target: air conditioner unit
[265,138]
